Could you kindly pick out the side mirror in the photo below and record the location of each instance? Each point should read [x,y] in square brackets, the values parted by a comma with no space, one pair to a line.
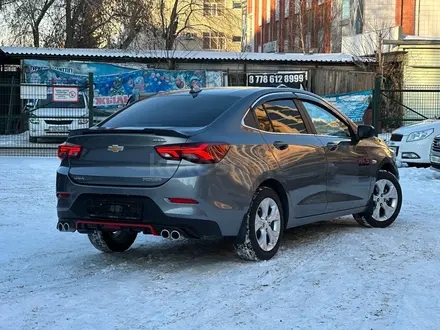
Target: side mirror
[28,108]
[365,132]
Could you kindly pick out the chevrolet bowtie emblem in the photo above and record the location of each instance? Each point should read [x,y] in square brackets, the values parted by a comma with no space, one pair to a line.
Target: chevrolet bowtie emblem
[115,148]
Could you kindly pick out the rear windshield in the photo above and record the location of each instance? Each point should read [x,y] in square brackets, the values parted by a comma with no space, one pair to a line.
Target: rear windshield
[173,111]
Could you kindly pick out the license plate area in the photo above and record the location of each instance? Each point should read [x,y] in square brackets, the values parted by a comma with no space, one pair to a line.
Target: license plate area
[109,209]
[58,129]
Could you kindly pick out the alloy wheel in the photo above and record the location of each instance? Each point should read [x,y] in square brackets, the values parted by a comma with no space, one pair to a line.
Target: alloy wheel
[267,224]
[385,200]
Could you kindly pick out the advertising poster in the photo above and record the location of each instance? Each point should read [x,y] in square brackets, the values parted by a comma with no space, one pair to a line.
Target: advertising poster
[114,84]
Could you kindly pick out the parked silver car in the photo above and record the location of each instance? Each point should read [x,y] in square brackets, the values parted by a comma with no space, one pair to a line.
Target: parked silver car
[435,154]
[49,119]
[246,163]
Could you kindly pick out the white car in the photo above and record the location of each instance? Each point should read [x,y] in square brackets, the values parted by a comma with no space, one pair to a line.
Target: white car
[56,119]
[412,144]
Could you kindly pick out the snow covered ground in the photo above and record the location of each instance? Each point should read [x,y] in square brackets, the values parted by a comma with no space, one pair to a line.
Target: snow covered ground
[333,275]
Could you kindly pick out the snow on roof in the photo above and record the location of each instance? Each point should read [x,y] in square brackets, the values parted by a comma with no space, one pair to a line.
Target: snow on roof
[409,37]
[180,55]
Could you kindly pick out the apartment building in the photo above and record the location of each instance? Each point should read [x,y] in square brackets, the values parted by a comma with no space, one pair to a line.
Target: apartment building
[214,25]
[218,27]
[363,22]
[291,26]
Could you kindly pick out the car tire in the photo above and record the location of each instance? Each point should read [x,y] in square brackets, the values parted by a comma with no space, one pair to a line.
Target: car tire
[265,216]
[119,241]
[33,139]
[385,210]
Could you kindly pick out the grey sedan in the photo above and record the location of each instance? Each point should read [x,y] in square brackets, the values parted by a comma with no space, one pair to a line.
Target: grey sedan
[243,163]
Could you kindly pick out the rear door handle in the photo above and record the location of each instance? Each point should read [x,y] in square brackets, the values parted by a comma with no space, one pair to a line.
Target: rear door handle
[280,145]
[332,146]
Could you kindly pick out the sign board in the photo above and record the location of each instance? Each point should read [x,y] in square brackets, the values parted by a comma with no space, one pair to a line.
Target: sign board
[297,79]
[65,94]
[113,84]
[33,92]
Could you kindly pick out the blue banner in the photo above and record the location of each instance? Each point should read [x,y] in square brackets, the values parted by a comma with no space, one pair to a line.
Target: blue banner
[114,84]
[353,105]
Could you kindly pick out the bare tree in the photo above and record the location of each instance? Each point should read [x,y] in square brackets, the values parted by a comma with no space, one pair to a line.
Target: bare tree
[24,18]
[313,25]
[130,17]
[388,64]
[88,23]
[179,18]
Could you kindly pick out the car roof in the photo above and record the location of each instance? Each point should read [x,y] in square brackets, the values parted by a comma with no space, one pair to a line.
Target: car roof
[239,91]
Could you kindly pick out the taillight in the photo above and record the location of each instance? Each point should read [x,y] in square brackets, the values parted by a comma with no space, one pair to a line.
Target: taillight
[63,195]
[68,150]
[194,152]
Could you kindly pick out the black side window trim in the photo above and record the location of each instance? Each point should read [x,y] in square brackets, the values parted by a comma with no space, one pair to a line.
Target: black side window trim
[306,120]
[251,113]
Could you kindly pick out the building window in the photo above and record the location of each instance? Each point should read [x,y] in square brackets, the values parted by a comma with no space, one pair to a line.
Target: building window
[320,2]
[236,39]
[214,40]
[277,10]
[297,6]
[189,36]
[286,8]
[309,4]
[236,5]
[268,10]
[213,7]
[345,9]
[286,45]
[321,39]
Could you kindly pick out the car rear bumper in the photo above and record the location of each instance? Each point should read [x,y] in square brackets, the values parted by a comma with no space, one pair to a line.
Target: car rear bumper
[189,228]
[219,212]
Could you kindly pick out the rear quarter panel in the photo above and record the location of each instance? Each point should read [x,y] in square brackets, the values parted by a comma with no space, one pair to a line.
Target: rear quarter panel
[248,162]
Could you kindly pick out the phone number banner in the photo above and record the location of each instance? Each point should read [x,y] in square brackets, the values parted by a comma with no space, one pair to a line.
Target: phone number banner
[289,79]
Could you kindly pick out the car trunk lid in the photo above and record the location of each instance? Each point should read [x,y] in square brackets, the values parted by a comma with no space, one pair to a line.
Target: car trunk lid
[125,156]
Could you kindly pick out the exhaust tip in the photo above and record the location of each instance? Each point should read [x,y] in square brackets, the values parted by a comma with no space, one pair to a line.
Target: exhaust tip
[60,226]
[66,227]
[165,233]
[175,234]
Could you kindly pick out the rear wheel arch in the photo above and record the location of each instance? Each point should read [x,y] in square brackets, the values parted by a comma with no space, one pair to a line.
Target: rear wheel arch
[281,192]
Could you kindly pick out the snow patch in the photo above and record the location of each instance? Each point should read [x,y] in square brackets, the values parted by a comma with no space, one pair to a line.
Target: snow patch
[330,275]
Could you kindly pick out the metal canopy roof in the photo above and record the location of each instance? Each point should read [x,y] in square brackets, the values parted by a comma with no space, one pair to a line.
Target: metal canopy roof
[29,52]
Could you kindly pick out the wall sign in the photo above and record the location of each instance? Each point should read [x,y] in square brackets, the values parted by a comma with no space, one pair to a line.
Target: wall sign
[297,79]
[65,94]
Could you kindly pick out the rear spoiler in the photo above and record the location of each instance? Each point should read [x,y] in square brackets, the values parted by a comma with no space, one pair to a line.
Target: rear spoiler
[151,131]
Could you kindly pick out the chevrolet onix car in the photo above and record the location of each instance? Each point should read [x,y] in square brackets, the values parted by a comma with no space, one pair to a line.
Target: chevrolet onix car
[243,163]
